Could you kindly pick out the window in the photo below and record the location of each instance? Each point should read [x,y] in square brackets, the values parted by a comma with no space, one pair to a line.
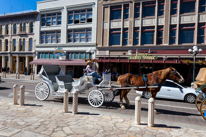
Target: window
[81,55]
[80,35]
[14,29]
[136,36]
[50,56]
[31,27]
[22,45]
[174,7]
[201,34]
[116,12]
[0,29]
[30,44]
[137,10]
[51,19]
[6,44]
[187,6]
[76,56]
[126,11]
[161,8]
[7,29]
[46,56]
[148,9]
[173,29]
[80,16]
[22,27]
[202,5]
[87,55]
[125,37]
[186,33]
[170,84]
[148,35]
[160,35]
[14,44]
[1,45]
[115,37]
[50,37]
[72,55]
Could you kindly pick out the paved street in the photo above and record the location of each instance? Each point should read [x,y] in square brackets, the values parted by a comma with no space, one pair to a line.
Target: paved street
[170,111]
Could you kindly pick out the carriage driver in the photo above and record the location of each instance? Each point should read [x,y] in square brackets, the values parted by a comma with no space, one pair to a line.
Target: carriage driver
[91,72]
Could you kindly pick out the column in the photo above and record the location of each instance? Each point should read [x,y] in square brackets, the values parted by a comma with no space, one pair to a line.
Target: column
[10,63]
[178,22]
[122,26]
[3,44]
[17,64]
[17,44]
[140,27]
[27,64]
[3,61]
[64,26]
[108,27]
[27,44]
[196,21]
[156,21]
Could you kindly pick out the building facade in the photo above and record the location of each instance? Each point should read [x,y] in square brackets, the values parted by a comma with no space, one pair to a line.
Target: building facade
[162,28]
[17,40]
[69,25]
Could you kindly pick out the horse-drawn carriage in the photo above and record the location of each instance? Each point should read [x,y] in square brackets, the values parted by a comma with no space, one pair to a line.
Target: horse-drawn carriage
[200,86]
[54,82]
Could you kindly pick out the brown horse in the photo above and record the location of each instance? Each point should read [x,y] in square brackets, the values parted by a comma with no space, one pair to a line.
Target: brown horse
[154,78]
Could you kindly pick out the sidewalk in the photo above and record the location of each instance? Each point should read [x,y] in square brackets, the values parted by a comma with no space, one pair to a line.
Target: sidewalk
[37,120]
[22,76]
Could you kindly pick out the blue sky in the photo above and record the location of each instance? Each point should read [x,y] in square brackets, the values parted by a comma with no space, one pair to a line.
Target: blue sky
[17,5]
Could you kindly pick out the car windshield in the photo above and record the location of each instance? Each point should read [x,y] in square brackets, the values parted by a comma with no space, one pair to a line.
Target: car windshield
[170,84]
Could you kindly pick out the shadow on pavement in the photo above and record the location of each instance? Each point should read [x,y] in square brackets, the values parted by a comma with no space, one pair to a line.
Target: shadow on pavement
[86,113]
[33,105]
[4,88]
[165,126]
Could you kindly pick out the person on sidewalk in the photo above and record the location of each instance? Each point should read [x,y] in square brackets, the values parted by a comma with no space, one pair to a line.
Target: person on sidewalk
[25,71]
[91,72]
[7,69]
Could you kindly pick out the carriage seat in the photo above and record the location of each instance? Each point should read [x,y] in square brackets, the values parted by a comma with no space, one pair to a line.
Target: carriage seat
[53,80]
[65,80]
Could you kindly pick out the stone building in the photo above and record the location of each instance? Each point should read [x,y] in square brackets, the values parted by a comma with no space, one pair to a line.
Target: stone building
[17,42]
[162,28]
[69,25]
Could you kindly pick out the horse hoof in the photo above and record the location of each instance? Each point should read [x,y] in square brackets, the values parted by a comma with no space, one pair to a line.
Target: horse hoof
[123,107]
[155,112]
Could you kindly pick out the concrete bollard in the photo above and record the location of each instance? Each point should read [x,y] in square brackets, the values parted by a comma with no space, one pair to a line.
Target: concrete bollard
[22,94]
[138,110]
[15,94]
[151,102]
[75,103]
[66,101]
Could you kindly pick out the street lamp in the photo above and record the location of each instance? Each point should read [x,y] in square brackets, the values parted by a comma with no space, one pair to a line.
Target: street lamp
[194,52]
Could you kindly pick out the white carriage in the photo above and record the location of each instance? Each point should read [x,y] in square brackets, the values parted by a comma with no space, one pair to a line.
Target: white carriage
[54,82]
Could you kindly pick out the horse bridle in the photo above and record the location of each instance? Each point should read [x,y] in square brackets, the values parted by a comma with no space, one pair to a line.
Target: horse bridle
[174,73]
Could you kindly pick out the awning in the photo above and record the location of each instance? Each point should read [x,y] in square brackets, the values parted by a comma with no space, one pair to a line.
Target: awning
[75,62]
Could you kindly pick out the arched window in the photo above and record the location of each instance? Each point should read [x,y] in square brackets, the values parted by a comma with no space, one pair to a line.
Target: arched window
[30,44]
[0,29]
[14,45]
[14,29]
[7,29]
[0,45]
[31,27]
[20,44]
[24,44]
[6,45]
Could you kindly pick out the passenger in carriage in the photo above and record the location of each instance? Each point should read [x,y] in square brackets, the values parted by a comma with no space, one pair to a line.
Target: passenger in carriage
[91,72]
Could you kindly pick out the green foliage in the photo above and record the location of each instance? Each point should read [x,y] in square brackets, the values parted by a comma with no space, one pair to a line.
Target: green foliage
[197,62]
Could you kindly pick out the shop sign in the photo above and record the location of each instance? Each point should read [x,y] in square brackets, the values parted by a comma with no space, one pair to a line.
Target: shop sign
[60,53]
[143,56]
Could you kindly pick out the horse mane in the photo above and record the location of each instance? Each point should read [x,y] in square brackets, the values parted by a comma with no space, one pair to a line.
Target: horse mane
[162,72]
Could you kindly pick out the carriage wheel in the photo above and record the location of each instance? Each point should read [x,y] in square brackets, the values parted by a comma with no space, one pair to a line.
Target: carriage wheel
[108,96]
[199,100]
[42,91]
[203,109]
[95,98]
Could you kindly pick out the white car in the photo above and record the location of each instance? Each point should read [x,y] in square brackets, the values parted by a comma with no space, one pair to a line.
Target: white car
[172,90]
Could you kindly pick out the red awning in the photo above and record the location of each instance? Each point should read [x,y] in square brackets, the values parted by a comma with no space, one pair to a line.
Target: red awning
[75,62]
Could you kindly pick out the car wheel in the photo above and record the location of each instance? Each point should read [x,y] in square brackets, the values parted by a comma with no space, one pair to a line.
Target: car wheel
[147,95]
[190,98]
